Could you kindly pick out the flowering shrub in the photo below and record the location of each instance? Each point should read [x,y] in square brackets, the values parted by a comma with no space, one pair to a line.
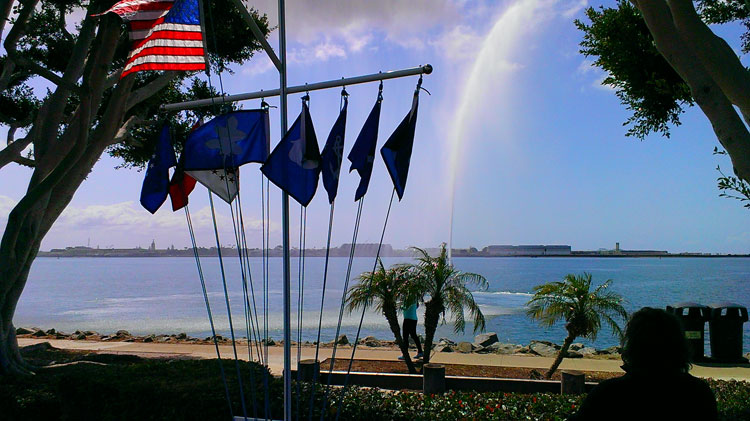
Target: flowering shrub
[191,389]
[732,398]
[361,403]
[733,401]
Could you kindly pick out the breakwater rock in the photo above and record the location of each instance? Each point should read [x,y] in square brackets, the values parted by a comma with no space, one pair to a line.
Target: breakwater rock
[486,343]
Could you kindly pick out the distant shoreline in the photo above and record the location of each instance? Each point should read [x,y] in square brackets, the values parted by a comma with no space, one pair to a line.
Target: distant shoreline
[310,253]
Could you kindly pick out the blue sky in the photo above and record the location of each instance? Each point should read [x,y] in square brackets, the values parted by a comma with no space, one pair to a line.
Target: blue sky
[516,117]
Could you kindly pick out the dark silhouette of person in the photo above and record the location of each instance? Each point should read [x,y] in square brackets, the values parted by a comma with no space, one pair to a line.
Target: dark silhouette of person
[656,384]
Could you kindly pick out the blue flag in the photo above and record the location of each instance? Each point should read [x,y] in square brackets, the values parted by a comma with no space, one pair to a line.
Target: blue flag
[156,183]
[397,149]
[294,165]
[229,141]
[332,154]
[362,155]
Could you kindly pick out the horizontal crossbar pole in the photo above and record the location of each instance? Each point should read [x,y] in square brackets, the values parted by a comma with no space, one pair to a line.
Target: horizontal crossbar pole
[426,69]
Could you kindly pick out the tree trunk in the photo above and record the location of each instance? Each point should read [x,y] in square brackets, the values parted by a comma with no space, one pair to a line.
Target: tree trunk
[389,311]
[729,127]
[560,355]
[52,186]
[433,309]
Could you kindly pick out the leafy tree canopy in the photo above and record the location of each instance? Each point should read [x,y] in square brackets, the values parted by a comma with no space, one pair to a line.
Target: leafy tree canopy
[49,36]
[621,43]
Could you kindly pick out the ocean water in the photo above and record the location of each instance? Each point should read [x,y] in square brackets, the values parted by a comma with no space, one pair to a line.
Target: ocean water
[163,295]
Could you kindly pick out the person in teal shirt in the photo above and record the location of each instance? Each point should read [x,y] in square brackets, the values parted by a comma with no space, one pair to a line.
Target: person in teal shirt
[410,327]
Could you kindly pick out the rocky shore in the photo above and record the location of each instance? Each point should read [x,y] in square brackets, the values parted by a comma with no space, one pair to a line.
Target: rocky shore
[486,343]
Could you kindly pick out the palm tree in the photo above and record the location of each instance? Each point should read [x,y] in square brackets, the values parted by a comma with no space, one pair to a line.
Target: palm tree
[386,290]
[447,288]
[582,309]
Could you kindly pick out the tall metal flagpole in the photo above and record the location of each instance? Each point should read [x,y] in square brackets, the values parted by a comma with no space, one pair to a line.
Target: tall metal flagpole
[285,226]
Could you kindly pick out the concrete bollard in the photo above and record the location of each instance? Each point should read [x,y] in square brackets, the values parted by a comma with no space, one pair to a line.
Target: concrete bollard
[434,379]
[573,382]
[309,370]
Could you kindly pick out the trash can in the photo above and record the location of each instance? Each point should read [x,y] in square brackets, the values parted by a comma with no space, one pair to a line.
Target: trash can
[693,317]
[725,326]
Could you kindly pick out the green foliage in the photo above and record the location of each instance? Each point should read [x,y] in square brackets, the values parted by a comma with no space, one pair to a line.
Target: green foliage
[381,288]
[726,11]
[143,138]
[133,388]
[407,406]
[48,42]
[732,187]
[448,286]
[732,398]
[644,82]
[145,389]
[582,309]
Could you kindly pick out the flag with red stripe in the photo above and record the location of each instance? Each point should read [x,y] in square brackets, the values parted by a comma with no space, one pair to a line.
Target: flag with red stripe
[166,34]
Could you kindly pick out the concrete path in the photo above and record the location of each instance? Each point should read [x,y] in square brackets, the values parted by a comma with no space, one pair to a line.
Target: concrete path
[276,356]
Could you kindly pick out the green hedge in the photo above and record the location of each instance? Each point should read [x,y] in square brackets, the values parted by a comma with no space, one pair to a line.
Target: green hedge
[192,390]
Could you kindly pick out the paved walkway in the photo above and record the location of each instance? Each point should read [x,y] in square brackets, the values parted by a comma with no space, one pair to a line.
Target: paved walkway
[276,356]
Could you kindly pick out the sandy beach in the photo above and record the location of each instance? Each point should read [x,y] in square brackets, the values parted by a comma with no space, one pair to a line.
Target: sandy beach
[155,350]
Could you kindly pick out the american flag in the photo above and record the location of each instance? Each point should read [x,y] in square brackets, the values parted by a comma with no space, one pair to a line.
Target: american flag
[166,34]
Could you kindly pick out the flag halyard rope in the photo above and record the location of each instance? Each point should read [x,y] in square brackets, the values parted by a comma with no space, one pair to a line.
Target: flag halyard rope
[208,309]
[343,301]
[320,317]
[364,308]
[226,299]
[300,295]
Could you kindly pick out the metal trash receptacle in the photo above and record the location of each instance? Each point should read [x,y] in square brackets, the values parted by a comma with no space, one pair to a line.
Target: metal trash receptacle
[693,317]
[725,327]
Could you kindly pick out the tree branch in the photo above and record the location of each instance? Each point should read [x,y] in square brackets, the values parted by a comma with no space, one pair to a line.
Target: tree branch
[15,33]
[123,133]
[112,78]
[40,70]
[53,113]
[151,88]
[728,126]
[26,162]
[6,6]
[12,152]
[717,56]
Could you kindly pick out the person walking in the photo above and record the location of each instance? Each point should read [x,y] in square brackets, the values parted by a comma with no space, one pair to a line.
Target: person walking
[410,328]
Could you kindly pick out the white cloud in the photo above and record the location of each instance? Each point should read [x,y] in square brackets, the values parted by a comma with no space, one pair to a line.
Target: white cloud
[587,66]
[309,20]
[321,31]
[116,223]
[459,43]
[598,84]
[259,64]
[587,69]
[573,9]
[6,205]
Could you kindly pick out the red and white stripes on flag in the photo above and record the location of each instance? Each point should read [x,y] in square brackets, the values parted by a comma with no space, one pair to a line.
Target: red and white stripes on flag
[166,35]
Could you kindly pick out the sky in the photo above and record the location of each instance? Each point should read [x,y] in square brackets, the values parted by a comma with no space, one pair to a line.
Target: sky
[517,137]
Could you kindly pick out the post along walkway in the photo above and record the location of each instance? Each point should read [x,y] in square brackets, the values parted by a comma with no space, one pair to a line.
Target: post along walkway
[276,356]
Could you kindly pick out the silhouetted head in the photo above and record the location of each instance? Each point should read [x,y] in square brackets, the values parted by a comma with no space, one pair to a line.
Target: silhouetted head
[655,344]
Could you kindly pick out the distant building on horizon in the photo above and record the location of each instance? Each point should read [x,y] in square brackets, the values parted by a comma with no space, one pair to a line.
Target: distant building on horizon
[527,250]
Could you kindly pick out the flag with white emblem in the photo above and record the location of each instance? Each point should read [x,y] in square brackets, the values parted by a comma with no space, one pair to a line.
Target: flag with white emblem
[228,141]
[332,153]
